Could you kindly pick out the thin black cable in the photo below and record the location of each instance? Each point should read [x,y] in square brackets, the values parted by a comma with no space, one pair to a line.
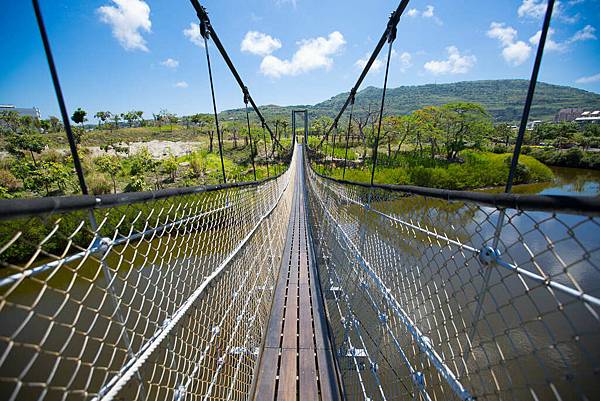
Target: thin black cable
[387,68]
[529,99]
[266,151]
[250,138]
[204,31]
[60,98]
[333,148]
[392,23]
[203,17]
[348,138]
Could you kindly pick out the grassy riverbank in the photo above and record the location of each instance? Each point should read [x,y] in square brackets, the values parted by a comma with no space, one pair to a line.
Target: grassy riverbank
[477,170]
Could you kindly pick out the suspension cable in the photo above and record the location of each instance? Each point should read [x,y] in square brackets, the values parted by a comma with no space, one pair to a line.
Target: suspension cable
[204,27]
[529,99]
[266,151]
[392,36]
[60,98]
[203,17]
[333,147]
[348,138]
[392,23]
[249,134]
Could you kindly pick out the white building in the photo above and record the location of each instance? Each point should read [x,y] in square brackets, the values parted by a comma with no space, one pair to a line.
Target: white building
[31,112]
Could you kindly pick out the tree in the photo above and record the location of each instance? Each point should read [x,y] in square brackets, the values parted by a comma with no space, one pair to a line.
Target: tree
[139,116]
[398,128]
[100,116]
[43,176]
[502,133]
[55,124]
[110,165]
[284,126]
[130,117]
[173,119]
[157,120]
[20,136]
[116,118]
[462,123]
[78,116]
[428,128]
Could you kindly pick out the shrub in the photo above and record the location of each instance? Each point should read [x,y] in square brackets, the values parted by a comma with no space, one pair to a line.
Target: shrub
[572,157]
[52,155]
[99,184]
[8,180]
[197,166]
[136,184]
[500,149]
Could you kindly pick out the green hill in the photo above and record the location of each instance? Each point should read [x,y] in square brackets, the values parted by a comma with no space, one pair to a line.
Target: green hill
[502,98]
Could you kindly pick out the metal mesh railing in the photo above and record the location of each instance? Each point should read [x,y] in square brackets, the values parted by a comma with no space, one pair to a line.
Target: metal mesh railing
[163,299]
[441,299]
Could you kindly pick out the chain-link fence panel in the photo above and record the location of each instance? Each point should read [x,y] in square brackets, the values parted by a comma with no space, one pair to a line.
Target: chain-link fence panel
[162,299]
[452,299]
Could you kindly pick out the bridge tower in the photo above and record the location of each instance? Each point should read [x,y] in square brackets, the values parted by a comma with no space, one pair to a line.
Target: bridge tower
[305,112]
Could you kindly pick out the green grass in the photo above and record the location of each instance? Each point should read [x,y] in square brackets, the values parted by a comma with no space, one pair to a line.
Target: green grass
[479,170]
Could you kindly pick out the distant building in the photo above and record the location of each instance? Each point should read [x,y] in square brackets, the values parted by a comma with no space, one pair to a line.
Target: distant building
[589,117]
[532,124]
[568,115]
[33,112]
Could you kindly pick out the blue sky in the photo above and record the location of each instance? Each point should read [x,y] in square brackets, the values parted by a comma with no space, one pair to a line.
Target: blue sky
[120,55]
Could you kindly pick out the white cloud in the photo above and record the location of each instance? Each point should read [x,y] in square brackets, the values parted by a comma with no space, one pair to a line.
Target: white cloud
[550,45]
[536,9]
[127,20]
[181,84]
[589,80]
[404,62]
[313,54]
[505,34]
[282,2]
[428,13]
[587,33]
[170,63]
[454,64]
[259,43]
[514,52]
[193,34]
[362,62]
[532,8]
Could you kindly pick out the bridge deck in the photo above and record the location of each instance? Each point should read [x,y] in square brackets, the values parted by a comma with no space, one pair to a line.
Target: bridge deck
[297,360]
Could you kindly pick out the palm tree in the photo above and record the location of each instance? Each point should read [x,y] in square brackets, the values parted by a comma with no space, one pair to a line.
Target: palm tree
[100,117]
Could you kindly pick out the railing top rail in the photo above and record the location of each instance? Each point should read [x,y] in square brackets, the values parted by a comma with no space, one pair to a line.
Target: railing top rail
[587,205]
[13,208]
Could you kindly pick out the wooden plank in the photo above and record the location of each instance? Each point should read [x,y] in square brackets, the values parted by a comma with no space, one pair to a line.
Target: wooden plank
[306,328]
[286,390]
[290,328]
[308,375]
[265,385]
[273,336]
[327,376]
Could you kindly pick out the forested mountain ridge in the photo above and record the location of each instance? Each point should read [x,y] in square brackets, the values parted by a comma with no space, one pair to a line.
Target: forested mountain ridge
[503,99]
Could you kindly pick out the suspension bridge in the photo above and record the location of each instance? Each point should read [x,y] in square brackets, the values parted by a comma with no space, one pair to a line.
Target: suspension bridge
[300,286]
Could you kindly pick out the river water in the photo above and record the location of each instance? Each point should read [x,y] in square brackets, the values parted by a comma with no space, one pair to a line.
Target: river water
[567,181]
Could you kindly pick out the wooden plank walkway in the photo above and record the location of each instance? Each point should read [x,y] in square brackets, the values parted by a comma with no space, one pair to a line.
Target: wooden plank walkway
[297,360]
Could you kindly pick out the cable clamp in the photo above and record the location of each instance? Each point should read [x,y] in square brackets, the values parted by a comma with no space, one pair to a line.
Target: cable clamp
[489,255]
